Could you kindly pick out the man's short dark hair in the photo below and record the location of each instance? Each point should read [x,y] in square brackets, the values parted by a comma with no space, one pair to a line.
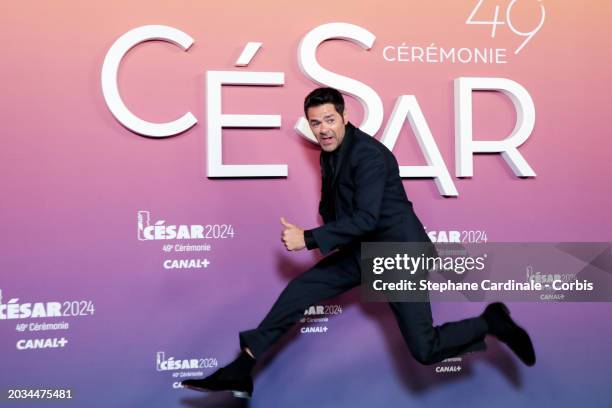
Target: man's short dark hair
[321,96]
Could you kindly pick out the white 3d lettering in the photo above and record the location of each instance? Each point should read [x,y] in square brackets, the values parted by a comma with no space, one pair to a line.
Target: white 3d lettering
[406,107]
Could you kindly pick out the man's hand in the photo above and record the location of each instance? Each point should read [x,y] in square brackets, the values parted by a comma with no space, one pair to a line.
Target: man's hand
[292,236]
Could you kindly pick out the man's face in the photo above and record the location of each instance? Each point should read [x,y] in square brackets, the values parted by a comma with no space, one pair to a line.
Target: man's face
[327,125]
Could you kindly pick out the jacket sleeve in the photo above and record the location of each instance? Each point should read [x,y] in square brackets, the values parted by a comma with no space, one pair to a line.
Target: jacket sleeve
[309,240]
[370,176]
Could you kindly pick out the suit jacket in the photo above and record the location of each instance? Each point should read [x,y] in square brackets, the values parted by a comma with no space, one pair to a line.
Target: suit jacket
[367,196]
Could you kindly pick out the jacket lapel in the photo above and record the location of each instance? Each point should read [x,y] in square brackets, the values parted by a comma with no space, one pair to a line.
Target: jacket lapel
[347,144]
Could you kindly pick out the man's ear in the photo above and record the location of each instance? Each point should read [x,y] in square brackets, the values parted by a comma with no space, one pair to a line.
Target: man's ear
[345,116]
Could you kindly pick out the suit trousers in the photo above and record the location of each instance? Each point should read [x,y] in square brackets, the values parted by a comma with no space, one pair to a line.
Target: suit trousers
[340,272]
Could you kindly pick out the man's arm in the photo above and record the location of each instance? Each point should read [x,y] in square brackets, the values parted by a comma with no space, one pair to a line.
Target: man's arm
[370,178]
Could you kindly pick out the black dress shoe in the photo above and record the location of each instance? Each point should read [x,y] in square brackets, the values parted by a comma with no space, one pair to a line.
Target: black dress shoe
[506,330]
[220,380]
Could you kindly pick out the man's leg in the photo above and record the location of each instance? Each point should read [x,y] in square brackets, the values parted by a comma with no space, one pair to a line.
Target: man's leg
[331,276]
[430,344]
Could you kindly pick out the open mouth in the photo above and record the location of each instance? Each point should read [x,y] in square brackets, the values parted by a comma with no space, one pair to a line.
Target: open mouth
[326,140]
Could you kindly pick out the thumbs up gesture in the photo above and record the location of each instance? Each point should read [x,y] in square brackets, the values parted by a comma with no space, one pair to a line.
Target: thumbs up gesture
[292,236]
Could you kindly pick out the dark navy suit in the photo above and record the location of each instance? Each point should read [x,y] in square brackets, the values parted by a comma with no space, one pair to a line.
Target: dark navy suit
[363,200]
